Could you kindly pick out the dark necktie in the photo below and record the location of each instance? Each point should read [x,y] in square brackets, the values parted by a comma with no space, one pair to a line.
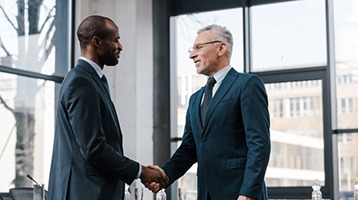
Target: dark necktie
[105,83]
[207,97]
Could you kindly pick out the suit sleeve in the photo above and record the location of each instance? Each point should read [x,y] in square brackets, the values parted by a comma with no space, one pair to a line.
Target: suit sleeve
[85,107]
[185,156]
[254,107]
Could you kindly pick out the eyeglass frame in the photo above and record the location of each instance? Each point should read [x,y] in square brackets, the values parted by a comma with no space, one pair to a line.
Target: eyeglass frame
[200,45]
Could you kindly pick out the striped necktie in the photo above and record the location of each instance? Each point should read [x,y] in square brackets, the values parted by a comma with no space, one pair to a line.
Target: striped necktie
[207,98]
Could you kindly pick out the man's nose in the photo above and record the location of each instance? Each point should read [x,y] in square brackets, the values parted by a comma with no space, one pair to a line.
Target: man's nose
[192,54]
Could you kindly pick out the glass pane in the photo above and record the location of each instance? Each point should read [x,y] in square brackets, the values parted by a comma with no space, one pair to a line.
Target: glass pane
[296,133]
[288,35]
[27,124]
[188,81]
[347,162]
[346,42]
[27,40]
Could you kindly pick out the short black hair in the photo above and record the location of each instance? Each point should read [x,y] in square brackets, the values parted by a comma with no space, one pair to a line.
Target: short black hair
[91,26]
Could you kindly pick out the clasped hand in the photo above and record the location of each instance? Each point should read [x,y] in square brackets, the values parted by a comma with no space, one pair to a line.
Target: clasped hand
[154,178]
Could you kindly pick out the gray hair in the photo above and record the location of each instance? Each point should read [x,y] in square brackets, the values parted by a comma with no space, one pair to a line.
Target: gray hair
[222,33]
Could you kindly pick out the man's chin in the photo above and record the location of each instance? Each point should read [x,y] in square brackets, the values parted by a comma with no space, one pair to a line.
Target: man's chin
[112,63]
[200,71]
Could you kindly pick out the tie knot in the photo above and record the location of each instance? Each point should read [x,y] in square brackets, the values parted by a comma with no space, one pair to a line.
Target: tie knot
[211,81]
[104,78]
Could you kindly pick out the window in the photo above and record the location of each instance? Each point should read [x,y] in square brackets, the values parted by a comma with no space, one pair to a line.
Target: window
[348,161]
[284,38]
[278,108]
[346,39]
[297,139]
[33,133]
[28,85]
[28,43]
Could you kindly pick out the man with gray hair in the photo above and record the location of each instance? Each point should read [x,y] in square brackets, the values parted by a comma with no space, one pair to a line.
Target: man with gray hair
[227,126]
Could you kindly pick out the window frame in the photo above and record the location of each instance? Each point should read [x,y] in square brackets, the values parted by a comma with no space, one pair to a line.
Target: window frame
[306,74]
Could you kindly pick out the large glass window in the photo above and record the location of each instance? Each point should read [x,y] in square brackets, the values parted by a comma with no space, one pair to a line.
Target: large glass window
[346,43]
[27,35]
[346,37]
[28,84]
[296,133]
[27,130]
[288,35]
[347,162]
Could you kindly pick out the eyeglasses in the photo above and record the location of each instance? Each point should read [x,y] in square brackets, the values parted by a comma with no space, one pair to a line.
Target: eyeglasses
[201,45]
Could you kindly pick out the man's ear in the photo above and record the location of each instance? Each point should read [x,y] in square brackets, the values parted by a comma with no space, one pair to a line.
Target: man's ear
[223,49]
[96,41]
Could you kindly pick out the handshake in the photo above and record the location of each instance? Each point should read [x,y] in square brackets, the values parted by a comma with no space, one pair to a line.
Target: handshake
[154,178]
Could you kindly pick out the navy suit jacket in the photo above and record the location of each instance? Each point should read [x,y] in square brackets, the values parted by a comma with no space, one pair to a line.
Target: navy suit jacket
[232,147]
[88,161]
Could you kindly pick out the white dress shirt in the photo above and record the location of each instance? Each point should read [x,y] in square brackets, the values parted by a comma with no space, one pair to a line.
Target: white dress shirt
[219,77]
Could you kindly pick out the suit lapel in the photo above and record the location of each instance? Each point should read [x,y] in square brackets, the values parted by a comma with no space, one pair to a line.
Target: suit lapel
[95,77]
[196,108]
[86,66]
[220,93]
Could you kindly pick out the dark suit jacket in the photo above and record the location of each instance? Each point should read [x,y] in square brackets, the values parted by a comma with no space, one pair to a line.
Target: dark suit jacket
[88,161]
[232,148]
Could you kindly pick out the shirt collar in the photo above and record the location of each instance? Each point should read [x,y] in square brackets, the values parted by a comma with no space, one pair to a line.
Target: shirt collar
[220,75]
[94,65]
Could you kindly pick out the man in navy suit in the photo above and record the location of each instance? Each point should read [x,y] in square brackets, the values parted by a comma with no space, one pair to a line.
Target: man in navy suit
[88,161]
[228,134]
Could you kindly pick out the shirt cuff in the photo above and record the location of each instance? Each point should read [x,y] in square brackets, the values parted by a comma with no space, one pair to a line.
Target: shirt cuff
[139,171]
